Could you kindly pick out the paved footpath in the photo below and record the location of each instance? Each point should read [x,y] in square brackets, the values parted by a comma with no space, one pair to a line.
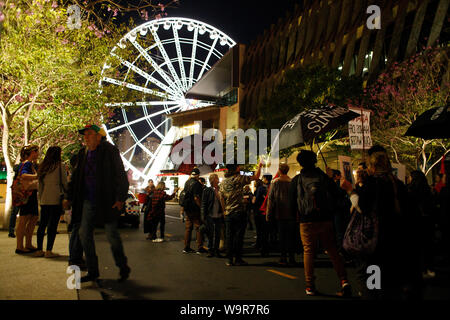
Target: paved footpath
[25,277]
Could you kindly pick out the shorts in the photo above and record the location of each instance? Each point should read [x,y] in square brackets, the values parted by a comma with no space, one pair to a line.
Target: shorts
[31,207]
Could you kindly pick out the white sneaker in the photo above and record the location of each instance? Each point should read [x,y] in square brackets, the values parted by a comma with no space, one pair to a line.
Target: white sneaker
[158,240]
[429,274]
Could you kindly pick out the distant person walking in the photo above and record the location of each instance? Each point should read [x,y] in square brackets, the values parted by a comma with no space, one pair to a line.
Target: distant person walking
[28,213]
[52,188]
[98,190]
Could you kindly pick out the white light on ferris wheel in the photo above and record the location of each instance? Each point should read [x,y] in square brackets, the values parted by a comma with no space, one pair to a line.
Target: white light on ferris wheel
[166,76]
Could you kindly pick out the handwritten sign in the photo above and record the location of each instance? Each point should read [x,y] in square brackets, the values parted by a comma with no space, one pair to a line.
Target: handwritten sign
[359,130]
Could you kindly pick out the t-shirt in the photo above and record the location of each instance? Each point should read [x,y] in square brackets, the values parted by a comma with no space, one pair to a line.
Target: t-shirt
[232,190]
[27,168]
[90,176]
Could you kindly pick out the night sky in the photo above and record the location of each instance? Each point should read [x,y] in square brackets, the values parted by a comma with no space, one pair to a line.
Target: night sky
[242,20]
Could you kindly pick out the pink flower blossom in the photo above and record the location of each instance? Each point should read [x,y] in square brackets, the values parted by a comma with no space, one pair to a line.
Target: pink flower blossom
[19,98]
[54,5]
[115,12]
[2,3]
[60,29]
[2,17]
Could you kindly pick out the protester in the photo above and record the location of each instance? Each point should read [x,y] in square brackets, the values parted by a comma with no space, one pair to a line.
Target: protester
[248,198]
[157,215]
[315,193]
[97,191]
[342,209]
[262,226]
[212,214]
[52,187]
[192,210]
[278,208]
[421,200]
[231,197]
[29,212]
[386,196]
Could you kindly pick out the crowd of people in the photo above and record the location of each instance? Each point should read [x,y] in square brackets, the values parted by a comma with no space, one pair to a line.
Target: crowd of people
[311,213]
[305,215]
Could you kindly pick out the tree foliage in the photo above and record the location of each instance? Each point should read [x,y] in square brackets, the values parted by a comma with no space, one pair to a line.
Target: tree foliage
[399,96]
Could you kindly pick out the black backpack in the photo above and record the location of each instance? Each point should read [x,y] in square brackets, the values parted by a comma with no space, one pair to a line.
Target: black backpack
[182,198]
[186,199]
[313,195]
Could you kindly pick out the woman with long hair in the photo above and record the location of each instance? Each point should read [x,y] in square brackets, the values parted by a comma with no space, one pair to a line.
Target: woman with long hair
[29,212]
[52,186]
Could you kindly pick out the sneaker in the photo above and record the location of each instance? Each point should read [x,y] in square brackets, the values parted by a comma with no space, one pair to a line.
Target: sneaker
[159,240]
[201,250]
[229,263]
[188,250]
[124,273]
[310,291]
[428,275]
[346,290]
[11,235]
[240,262]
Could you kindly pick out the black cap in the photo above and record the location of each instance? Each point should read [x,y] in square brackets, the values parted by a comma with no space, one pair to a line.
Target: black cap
[195,172]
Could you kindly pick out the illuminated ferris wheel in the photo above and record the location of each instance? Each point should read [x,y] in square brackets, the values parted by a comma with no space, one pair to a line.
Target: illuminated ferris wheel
[155,64]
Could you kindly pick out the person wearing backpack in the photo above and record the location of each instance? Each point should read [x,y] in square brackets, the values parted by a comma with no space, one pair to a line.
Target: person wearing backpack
[315,196]
[191,202]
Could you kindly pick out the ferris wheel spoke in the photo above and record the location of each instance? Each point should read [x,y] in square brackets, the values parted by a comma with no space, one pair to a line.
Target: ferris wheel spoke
[207,58]
[144,74]
[142,119]
[155,66]
[180,57]
[139,142]
[134,87]
[167,59]
[142,103]
[194,52]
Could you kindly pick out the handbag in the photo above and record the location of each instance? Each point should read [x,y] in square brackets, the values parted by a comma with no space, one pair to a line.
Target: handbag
[20,191]
[361,236]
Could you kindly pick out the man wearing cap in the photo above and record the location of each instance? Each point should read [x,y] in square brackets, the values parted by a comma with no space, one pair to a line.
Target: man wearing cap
[97,192]
[194,190]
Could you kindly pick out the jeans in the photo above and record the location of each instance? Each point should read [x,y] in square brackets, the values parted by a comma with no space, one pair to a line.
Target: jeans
[213,229]
[286,230]
[49,220]
[323,231]
[161,220]
[87,240]
[193,220]
[12,219]
[75,247]
[235,231]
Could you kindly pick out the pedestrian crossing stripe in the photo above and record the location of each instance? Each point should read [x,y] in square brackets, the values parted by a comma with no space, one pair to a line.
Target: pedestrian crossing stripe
[282,274]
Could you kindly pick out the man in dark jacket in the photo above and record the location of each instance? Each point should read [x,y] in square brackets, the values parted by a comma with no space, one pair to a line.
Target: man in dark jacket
[192,210]
[212,215]
[97,192]
[314,192]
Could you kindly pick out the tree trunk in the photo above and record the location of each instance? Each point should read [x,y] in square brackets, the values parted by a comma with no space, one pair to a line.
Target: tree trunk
[5,216]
